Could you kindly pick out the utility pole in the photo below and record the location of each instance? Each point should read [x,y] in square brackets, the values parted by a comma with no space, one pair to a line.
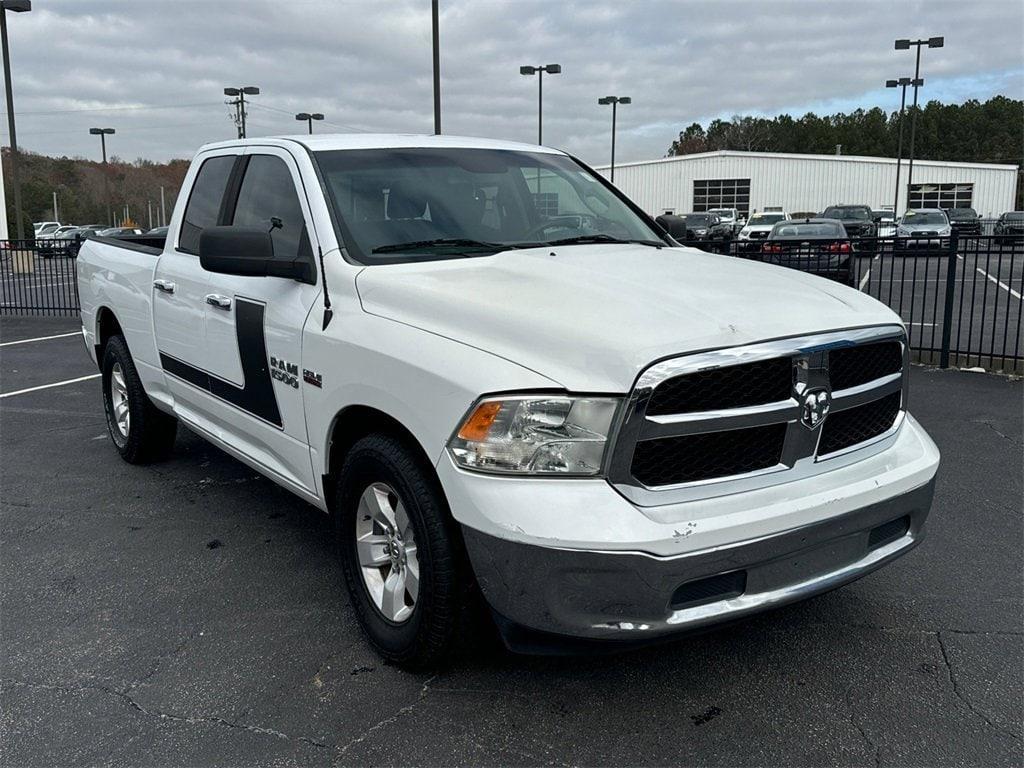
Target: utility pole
[56,213]
[437,66]
[239,104]
[15,6]
[163,210]
[902,84]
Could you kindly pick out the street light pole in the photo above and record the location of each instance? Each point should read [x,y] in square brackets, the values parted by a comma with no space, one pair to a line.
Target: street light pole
[904,45]
[102,133]
[551,69]
[902,84]
[15,6]
[239,104]
[614,101]
[436,36]
[309,118]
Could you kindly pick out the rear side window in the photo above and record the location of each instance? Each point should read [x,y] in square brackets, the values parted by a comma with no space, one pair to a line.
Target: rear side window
[205,200]
[267,200]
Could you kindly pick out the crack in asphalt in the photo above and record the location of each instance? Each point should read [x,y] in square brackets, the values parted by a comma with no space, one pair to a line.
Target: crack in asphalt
[156,713]
[992,426]
[424,691]
[963,697]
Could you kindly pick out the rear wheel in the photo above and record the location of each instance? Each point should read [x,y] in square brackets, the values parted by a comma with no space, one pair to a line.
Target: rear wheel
[402,556]
[140,432]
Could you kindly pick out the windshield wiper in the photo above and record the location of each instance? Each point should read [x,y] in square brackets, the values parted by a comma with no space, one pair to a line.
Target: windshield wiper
[444,242]
[602,238]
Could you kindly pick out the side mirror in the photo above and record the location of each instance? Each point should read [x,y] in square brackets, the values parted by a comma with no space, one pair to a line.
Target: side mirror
[248,251]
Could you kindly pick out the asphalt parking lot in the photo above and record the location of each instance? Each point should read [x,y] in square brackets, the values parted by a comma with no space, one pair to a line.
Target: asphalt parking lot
[192,613]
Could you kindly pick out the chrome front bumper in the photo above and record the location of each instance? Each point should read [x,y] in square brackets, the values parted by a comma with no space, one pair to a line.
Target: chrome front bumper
[630,596]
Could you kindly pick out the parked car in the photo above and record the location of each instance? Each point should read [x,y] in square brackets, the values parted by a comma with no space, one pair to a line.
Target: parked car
[819,246]
[709,230]
[732,217]
[119,231]
[1009,228]
[885,223]
[51,243]
[922,228]
[42,227]
[757,229]
[72,241]
[601,436]
[858,220]
[964,221]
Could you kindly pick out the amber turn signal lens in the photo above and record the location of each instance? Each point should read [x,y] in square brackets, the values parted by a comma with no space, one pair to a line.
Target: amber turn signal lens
[476,426]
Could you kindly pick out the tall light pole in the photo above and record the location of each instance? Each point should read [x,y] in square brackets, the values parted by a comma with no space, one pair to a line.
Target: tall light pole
[904,45]
[436,37]
[14,6]
[551,69]
[309,117]
[614,101]
[239,104]
[103,133]
[902,84]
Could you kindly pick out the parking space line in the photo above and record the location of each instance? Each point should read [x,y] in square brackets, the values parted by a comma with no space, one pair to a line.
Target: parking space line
[998,282]
[48,386]
[864,280]
[40,338]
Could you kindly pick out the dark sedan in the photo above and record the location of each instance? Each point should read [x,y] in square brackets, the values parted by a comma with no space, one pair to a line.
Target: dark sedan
[1010,228]
[818,246]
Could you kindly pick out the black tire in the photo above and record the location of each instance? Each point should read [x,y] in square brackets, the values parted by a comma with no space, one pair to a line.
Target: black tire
[442,609]
[150,431]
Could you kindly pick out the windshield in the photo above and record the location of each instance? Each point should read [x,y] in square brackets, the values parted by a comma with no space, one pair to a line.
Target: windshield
[844,212]
[822,229]
[724,213]
[962,213]
[423,203]
[764,219]
[700,219]
[928,218]
[1014,216]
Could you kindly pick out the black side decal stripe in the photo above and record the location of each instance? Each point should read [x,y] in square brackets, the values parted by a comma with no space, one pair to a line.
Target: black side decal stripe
[257,395]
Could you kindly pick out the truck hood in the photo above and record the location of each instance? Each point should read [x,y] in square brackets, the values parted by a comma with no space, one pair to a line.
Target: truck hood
[592,317]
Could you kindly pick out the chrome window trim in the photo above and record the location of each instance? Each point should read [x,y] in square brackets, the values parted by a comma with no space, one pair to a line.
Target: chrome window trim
[799,453]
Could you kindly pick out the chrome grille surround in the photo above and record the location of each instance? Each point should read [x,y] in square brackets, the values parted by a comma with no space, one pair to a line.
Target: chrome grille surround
[799,455]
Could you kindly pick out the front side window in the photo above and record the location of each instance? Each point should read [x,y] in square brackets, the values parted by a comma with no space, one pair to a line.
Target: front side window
[267,200]
[418,203]
[204,202]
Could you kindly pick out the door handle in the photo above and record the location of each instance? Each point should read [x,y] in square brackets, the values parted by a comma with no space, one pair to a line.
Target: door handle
[218,301]
[166,286]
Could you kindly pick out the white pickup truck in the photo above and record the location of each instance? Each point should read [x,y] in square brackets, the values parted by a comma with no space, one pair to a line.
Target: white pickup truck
[501,378]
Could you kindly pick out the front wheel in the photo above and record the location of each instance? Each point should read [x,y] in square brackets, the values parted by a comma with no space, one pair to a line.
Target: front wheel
[401,552]
[140,432]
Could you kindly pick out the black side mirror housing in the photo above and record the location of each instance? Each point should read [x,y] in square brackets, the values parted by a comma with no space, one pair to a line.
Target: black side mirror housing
[248,251]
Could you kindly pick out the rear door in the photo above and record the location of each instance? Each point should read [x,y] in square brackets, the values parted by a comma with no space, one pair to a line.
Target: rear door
[180,284]
[254,324]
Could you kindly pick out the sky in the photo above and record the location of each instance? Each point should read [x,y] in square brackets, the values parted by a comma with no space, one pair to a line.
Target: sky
[155,70]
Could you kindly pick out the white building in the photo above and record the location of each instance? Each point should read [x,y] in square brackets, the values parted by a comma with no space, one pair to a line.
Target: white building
[752,181]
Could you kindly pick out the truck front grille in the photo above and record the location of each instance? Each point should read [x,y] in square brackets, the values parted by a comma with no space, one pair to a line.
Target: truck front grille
[734,419]
[691,458]
[766,381]
[858,425]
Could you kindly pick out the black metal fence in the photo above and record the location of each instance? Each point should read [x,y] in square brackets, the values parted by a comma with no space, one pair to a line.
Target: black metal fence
[961,297]
[38,277]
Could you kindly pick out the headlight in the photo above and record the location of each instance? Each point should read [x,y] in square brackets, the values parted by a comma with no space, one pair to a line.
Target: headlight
[744,235]
[945,232]
[535,435]
[701,231]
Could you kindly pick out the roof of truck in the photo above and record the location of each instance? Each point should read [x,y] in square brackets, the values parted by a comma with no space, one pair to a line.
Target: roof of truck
[327,141]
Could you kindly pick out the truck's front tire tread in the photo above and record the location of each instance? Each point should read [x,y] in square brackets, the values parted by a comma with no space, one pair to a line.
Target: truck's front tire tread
[151,432]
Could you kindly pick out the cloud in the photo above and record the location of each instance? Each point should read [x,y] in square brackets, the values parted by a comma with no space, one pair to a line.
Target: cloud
[366,66]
